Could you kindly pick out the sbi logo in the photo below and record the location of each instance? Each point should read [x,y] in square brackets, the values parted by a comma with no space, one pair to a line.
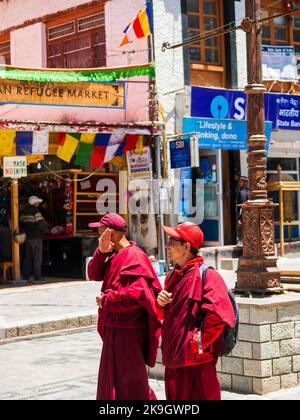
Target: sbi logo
[219,108]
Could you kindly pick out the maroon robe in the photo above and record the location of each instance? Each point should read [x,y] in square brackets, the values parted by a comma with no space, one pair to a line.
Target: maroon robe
[191,374]
[127,323]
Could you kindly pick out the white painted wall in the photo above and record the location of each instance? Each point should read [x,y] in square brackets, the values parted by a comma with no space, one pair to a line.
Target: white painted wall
[28,46]
[16,12]
[241,45]
[169,64]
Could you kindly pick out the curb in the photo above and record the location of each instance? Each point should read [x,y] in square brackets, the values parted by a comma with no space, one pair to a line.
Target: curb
[47,326]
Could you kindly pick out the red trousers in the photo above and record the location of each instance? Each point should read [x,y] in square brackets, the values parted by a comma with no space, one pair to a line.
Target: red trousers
[193,383]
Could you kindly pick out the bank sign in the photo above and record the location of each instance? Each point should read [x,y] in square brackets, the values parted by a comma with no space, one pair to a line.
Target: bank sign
[220,134]
[282,109]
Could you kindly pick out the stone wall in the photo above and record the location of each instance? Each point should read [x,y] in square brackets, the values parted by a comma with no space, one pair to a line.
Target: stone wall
[267,356]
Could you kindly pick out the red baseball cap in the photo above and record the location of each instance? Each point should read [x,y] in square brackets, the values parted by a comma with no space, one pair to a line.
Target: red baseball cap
[111,221]
[188,232]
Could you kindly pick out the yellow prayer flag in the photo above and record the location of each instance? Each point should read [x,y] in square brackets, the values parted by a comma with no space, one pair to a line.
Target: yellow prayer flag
[88,138]
[7,138]
[34,159]
[140,144]
[162,113]
[68,149]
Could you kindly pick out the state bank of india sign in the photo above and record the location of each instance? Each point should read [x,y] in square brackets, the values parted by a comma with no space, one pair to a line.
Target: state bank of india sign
[83,94]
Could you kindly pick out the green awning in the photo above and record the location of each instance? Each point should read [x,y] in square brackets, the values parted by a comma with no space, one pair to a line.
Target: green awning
[75,76]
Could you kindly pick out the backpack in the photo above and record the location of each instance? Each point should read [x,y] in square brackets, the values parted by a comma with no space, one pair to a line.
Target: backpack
[229,335]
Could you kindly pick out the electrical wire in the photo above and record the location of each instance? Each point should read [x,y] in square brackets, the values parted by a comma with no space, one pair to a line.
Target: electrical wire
[98,170]
[221,31]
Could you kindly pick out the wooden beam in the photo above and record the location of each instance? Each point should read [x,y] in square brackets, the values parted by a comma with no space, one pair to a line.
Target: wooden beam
[15,228]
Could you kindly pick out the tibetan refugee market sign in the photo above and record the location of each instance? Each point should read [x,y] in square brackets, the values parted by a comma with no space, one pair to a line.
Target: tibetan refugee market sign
[101,87]
[85,94]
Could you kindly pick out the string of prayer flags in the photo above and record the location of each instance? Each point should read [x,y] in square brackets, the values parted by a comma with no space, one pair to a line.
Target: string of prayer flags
[7,138]
[24,143]
[67,150]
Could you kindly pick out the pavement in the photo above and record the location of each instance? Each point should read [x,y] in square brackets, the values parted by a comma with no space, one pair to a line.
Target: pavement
[48,333]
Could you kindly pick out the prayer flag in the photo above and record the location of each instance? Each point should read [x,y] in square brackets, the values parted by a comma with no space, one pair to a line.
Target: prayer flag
[88,137]
[83,153]
[140,144]
[40,143]
[68,149]
[24,143]
[7,138]
[130,142]
[98,156]
[85,148]
[140,27]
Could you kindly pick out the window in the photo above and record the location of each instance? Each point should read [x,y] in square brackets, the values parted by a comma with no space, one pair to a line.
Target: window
[5,52]
[275,31]
[282,31]
[289,172]
[204,16]
[78,42]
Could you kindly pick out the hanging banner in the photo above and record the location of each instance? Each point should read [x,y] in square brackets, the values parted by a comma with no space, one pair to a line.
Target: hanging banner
[282,109]
[279,63]
[139,164]
[14,167]
[85,94]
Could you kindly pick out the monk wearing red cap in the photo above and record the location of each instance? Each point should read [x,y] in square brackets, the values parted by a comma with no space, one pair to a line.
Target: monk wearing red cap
[127,322]
[194,319]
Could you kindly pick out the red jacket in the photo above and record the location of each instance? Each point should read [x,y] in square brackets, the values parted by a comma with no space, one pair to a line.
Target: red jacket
[130,288]
[183,315]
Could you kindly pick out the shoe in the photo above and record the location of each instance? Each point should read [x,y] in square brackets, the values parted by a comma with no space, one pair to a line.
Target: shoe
[39,281]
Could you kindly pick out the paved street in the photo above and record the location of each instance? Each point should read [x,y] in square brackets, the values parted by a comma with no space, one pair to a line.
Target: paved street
[64,366]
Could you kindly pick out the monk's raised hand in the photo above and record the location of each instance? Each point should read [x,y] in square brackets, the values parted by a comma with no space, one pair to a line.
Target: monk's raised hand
[164,298]
[105,244]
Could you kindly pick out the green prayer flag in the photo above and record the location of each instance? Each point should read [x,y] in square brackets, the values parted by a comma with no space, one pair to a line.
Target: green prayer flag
[83,154]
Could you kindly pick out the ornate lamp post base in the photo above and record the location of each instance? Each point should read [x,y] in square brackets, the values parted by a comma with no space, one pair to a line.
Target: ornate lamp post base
[258,270]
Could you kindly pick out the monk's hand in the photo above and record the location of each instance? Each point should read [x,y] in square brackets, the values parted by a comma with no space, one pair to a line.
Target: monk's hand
[164,298]
[98,300]
[105,243]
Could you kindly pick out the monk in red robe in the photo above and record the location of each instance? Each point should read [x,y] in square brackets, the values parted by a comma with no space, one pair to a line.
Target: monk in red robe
[194,320]
[127,322]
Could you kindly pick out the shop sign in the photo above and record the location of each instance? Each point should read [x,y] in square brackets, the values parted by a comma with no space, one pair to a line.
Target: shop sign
[180,153]
[282,109]
[279,63]
[221,134]
[84,94]
[14,166]
[139,164]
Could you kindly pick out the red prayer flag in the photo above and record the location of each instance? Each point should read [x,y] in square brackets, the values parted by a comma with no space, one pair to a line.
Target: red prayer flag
[98,155]
[130,142]
[61,138]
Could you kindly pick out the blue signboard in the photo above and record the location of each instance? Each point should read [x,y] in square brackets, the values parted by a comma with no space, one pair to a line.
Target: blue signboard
[221,134]
[180,152]
[282,109]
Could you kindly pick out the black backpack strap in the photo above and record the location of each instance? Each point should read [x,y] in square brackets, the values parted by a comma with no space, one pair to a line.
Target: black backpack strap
[168,276]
